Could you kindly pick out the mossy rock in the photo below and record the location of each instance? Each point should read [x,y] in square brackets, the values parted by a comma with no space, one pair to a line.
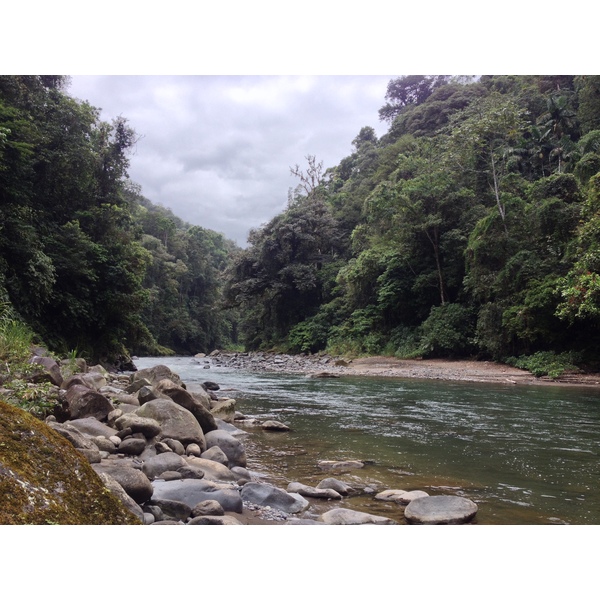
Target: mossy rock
[44,480]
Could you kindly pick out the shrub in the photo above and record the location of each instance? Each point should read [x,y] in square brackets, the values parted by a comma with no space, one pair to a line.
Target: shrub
[547,363]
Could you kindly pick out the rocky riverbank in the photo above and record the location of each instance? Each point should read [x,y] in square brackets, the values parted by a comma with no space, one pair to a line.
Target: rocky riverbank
[383,366]
[174,455]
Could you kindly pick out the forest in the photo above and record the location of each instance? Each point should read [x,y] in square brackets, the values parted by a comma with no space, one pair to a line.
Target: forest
[470,229]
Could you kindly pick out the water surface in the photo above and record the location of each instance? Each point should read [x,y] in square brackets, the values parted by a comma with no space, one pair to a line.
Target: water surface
[525,454]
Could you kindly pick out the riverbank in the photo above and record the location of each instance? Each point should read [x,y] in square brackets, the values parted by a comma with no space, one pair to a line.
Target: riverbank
[384,366]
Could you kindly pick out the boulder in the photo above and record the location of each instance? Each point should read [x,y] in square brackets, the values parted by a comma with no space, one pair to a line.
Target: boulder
[207,507]
[265,494]
[48,370]
[133,481]
[84,402]
[154,374]
[400,496]
[296,487]
[132,446]
[167,461]
[117,489]
[440,510]
[138,424]
[92,427]
[193,491]
[335,484]
[183,398]
[224,409]
[175,421]
[215,453]
[345,516]
[44,480]
[73,435]
[213,470]
[232,447]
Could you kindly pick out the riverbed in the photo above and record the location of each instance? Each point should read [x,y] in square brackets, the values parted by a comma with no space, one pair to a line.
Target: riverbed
[524,454]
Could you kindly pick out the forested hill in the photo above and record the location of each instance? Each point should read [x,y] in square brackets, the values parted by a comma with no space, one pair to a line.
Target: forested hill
[87,264]
[472,227]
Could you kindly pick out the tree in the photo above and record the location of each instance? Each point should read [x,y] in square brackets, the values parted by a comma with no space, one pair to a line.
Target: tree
[407,90]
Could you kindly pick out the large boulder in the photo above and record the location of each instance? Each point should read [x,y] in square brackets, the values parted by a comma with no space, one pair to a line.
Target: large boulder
[92,427]
[193,491]
[440,510]
[265,494]
[155,374]
[175,421]
[43,479]
[48,370]
[132,480]
[167,461]
[232,447]
[84,402]
[181,396]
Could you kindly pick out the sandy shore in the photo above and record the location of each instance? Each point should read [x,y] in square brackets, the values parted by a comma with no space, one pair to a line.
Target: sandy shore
[461,370]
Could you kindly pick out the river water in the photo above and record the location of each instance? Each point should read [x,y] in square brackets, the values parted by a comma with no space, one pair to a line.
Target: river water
[524,454]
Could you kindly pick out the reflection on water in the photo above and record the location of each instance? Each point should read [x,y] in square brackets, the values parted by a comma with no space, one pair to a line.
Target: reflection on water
[525,454]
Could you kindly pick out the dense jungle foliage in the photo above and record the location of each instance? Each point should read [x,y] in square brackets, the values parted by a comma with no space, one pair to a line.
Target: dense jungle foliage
[87,264]
[471,228]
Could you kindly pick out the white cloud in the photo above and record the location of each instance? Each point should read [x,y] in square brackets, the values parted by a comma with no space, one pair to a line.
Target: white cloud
[217,149]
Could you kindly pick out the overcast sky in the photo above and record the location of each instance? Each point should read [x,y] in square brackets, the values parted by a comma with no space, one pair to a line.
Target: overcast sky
[217,150]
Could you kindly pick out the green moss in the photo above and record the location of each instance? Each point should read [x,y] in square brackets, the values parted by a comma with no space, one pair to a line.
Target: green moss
[44,480]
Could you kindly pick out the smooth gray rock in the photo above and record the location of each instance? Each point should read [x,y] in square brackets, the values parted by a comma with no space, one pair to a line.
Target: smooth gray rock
[133,481]
[73,435]
[155,374]
[207,507]
[400,496]
[167,461]
[84,402]
[190,472]
[92,427]
[440,510]
[183,398]
[138,424]
[295,487]
[175,421]
[213,470]
[132,446]
[224,409]
[345,516]
[117,489]
[265,494]
[215,453]
[340,487]
[194,491]
[175,445]
[173,509]
[231,446]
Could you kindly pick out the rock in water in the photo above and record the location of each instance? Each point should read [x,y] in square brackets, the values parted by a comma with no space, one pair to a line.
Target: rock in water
[440,510]
[345,516]
[43,479]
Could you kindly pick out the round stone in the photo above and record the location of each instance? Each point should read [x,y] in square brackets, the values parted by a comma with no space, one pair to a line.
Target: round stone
[440,510]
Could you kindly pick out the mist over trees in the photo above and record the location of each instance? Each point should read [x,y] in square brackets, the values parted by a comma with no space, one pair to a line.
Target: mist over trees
[471,228]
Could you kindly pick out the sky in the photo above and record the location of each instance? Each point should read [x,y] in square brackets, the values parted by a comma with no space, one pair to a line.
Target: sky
[217,149]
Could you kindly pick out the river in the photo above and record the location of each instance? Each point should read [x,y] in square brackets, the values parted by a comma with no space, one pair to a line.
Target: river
[524,454]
